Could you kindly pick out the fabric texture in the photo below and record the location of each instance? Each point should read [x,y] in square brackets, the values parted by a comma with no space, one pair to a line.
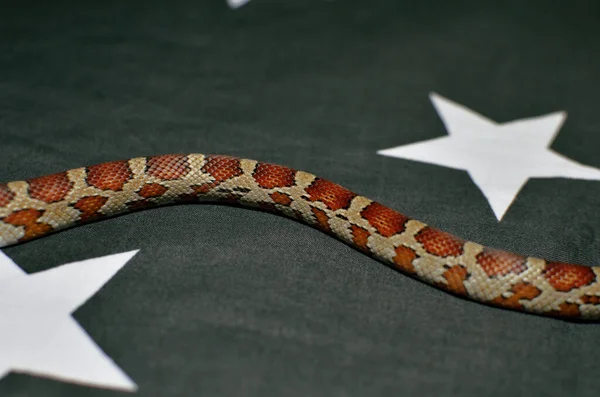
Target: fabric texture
[228,301]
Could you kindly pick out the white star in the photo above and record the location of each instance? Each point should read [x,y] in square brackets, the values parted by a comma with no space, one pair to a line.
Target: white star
[38,336]
[500,158]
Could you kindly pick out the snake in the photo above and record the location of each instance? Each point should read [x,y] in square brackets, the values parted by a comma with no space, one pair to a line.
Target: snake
[39,206]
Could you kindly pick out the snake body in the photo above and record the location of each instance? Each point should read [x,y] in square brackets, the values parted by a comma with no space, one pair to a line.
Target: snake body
[39,206]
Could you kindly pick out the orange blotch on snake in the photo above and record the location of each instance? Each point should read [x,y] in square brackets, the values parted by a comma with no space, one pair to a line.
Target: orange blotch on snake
[109,176]
[519,291]
[230,199]
[28,220]
[440,243]
[50,188]
[89,207]
[152,190]
[222,168]
[500,263]
[387,221]
[332,195]
[455,277]
[270,207]
[203,189]
[565,277]
[322,219]
[590,299]
[281,198]
[404,258]
[567,309]
[168,167]
[6,195]
[141,205]
[360,238]
[269,176]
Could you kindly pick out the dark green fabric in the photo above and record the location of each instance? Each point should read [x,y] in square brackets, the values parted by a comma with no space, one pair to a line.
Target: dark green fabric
[224,301]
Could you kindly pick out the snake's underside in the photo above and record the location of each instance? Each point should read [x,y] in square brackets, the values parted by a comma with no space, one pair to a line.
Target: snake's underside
[36,207]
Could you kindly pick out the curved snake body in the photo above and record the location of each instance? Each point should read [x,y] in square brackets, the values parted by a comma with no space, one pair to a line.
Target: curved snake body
[36,207]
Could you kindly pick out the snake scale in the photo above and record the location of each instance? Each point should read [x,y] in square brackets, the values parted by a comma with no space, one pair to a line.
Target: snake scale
[38,206]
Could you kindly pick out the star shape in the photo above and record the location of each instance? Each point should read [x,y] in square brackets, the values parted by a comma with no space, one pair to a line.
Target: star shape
[38,335]
[499,157]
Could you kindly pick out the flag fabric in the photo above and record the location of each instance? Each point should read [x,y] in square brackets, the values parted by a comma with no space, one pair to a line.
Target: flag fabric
[220,300]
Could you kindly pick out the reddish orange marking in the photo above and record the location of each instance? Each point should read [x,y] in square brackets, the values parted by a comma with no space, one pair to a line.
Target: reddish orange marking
[322,219]
[332,195]
[500,263]
[168,167]
[519,291]
[202,189]
[440,243]
[222,168]
[28,220]
[281,198]
[591,299]
[404,258]
[5,195]
[268,207]
[387,221]
[360,237]
[89,207]
[50,188]
[152,190]
[140,204]
[109,176]
[455,277]
[564,277]
[230,198]
[567,309]
[269,176]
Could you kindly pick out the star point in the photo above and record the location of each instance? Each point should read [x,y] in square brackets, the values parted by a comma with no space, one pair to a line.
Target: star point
[237,3]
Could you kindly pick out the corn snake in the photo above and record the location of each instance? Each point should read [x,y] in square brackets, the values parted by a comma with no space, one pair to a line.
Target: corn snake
[39,206]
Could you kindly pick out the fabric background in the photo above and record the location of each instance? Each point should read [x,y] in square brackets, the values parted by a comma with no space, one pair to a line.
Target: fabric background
[226,301]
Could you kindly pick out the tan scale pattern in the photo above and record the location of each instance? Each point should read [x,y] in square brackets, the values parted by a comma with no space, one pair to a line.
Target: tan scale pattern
[39,206]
